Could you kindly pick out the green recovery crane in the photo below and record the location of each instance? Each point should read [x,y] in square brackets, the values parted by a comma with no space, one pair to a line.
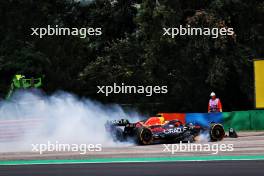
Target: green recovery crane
[21,82]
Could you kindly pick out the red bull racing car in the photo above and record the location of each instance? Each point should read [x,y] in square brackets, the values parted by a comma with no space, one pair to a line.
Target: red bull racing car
[157,130]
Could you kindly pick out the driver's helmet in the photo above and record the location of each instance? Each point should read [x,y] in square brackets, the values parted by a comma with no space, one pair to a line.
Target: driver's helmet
[177,124]
[162,120]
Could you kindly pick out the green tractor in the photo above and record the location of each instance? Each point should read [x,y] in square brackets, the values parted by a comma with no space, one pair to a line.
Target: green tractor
[21,82]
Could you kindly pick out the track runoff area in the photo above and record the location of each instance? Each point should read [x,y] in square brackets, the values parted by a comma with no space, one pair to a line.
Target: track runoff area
[247,158]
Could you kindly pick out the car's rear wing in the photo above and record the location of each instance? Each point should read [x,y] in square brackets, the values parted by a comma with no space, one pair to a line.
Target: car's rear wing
[121,122]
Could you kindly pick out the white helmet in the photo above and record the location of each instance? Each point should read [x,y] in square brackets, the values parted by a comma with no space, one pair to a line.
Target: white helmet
[212,94]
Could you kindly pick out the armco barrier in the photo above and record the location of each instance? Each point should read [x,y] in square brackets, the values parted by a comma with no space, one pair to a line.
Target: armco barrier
[239,120]
[257,120]
[204,119]
[244,120]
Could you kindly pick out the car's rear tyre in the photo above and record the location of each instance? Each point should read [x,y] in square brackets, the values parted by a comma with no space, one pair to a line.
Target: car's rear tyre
[119,135]
[144,136]
[217,132]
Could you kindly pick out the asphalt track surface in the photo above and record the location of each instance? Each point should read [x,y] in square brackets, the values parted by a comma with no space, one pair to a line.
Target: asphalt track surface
[247,158]
[198,168]
[249,144]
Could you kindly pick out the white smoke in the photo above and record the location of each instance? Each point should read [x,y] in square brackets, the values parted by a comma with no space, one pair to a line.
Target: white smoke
[203,137]
[60,117]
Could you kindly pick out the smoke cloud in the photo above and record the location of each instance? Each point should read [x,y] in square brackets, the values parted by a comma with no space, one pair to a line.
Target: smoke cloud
[203,137]
[38,118]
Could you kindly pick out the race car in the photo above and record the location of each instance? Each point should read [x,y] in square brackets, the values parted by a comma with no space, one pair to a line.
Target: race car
[157,130]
